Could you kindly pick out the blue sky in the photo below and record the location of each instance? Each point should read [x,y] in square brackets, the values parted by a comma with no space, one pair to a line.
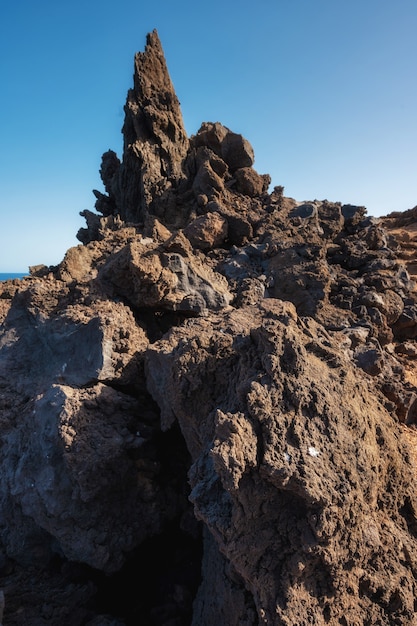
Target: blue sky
[325,90]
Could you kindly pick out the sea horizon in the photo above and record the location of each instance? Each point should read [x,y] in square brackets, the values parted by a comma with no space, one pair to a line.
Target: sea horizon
[11,275]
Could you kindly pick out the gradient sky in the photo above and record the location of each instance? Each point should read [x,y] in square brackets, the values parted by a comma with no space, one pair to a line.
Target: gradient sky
[325,90]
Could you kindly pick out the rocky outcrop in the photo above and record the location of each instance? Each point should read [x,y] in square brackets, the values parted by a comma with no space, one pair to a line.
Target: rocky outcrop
[163,173]
[401,229]
[169,278]
[214,396]
[284,475]
[155,144]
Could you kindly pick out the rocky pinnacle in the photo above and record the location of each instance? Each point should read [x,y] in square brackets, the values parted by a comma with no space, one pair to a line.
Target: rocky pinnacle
[208,411]
[155,142]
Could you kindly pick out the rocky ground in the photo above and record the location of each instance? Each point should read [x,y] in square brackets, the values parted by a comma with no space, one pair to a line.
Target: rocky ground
[208,408]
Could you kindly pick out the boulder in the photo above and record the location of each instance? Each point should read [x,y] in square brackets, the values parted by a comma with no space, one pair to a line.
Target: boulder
[211,135]
[237,151]
[405,327]
[75,433]
[165,279]
[249,182]
[207,232]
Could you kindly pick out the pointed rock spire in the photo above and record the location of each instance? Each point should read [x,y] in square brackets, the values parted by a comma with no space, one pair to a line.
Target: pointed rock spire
[155,141]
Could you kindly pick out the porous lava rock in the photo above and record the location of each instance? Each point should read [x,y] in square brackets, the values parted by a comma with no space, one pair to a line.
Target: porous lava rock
[155,143]
[285,476]
[209,407]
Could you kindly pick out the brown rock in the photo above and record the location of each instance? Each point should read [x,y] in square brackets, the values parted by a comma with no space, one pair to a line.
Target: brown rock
[249,182]
[388,302]
[155,230]
[239,229]
[237,151]
[370,359]
[330,218]
[170,279]
[207,232]
[77,264]
[264,455]
[207,181]
[211,135]
[155,145]
[154,134]
[109,172]
[304,280]
[245,412]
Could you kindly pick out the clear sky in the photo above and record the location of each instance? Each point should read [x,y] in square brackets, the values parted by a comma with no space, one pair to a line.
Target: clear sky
[325,90]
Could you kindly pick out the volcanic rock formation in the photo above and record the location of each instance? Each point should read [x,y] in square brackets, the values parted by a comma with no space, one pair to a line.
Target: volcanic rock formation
[208,408]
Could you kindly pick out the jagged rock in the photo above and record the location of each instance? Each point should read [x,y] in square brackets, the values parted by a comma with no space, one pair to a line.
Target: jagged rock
[160,166]
[407,348]
[246,262]
[250,291]
[370,359]
[165,279]
[220,158]
[211,135]
[155,144]
[79,432]
[234,149]
[207,232]
[305,211]
[77,263]
[388,302]
[104,205]
[405,326]
[237,151]
[276,491]
[222,597]
[204,155]
[405,400]
[155,230]
[92,232]
[239,229]
[109,172]
[300,279]
[69,475]
[353,216]
[207,180]
[331,219]
[155,139]
[219,375]
[250,182]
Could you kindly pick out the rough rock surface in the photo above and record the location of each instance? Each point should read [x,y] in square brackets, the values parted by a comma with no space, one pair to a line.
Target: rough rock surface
[284,476]
[155,143]
[209,408]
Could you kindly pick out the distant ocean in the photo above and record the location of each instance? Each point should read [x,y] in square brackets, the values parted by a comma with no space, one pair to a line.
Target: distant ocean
[6,276]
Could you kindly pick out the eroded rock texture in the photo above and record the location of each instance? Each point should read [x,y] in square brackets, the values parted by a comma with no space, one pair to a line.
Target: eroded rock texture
[155,144]
[208,408]
[286,477]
